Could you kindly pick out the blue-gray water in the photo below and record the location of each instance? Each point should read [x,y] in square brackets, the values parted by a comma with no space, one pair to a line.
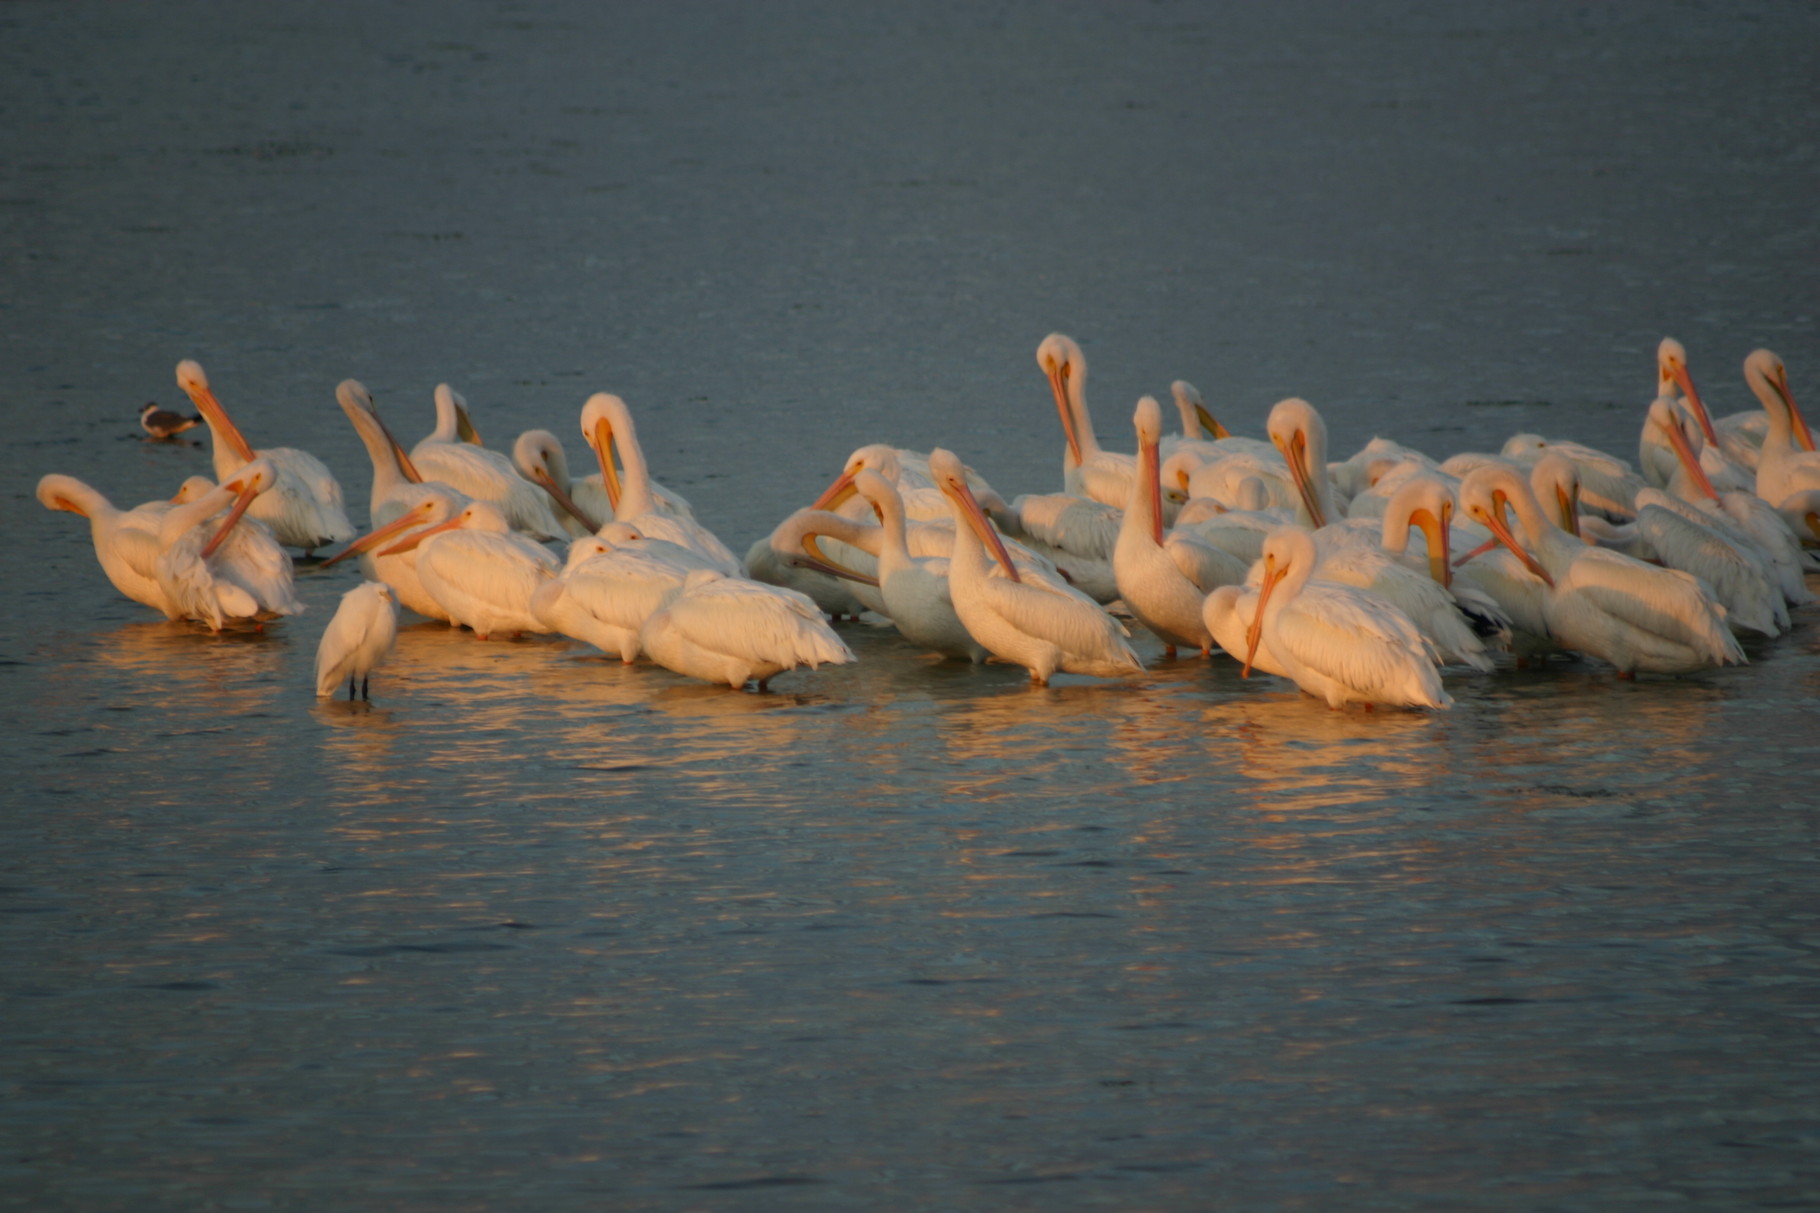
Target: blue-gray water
[540,932]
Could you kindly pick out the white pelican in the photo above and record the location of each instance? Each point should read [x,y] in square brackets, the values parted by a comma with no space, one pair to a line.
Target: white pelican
[481,571]
[479,473]
[357,639]
[606,423]
[1784,468]
[1087,471]
[914,588]
[415,507]
[728,629]
[1744,518]
[1300,436]
[1077,534]
[1738,435]
[1608,484]
[197,587]
[1163,578]
[126,541]
[393,472]
[163,424]
[607,589]
[1041,626]
[304,506]
[1337,642]
[781,558]
[539,458]
[1353,476]
[1636,616]
[247,553]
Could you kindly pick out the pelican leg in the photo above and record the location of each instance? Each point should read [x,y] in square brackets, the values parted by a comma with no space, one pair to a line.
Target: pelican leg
[364,693]
[350,688]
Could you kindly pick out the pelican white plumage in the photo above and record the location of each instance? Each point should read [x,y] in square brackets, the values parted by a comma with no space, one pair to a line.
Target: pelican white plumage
[357,639]
[539,458]
[1738,435]
[606,423]
[189,534]
[1608,484]
[784,558]
[609,587]
[1087,470]
[1744,519]
[126,541]
[480,474]
[413,508]
[394,474]
[1300,436]
[1787,464]
[914,588]
[1164,577]
[246,553]
[1337,642]
[728,629]
[1077,534]
[1042,626]
[1636,616]
[481,571]
[304,507]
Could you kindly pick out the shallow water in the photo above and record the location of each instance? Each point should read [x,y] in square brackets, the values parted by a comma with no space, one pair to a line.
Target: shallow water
[534,930]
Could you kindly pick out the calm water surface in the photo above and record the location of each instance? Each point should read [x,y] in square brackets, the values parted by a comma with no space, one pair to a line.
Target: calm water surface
[537,931]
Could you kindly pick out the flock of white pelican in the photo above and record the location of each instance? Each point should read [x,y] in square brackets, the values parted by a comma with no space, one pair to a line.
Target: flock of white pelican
[1360,580]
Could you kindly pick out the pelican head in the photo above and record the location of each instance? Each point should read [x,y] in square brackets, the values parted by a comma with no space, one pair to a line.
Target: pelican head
[1299,434]
[246,484]
[1196,420]
[357,403]
[1768,379]
[1486,494]
[1671,376]
[1066,369]
[951,478]
[434,503]
[195,384]
[1668,418]
[1288,554]
[604,417]
[539,458]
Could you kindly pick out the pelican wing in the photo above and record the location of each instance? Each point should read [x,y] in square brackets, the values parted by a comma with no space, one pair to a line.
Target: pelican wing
[1360,640]
[1072,524]
[1063,616]
[1663,601]
[1208,567]
[762,624]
